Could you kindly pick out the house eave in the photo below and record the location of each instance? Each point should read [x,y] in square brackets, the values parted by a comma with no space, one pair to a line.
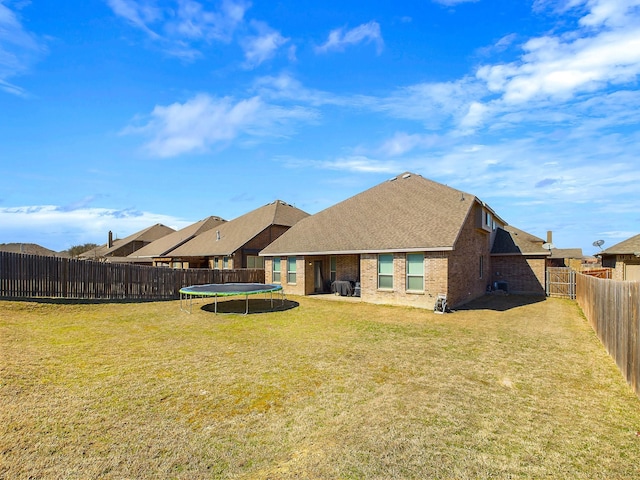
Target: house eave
[522,254]
[356,252]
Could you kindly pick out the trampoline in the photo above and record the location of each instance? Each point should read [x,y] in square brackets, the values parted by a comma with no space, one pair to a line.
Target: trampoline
[216,290]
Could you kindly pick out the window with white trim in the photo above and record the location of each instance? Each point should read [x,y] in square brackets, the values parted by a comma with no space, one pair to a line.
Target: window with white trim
[385,271]
[291,269]
[415,272]
[276,270]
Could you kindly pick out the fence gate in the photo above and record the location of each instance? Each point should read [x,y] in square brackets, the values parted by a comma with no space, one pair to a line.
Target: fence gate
[561,282]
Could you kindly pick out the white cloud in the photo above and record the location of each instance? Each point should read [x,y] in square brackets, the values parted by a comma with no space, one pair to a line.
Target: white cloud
[205,121]
[139,13]
[365,33]
[434,104]
[402,143]
[180,27]
[609,12]
[452,3]
[19,50]
[193,22]
[59,228]
[604,52]
[350,163]
[262,46]
[286,87]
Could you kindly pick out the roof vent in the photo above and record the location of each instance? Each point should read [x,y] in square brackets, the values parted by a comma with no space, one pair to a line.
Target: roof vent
[406,175]
[392,179]
[217,235]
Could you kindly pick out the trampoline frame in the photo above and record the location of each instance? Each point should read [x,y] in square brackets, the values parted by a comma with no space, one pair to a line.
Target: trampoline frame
[188,293]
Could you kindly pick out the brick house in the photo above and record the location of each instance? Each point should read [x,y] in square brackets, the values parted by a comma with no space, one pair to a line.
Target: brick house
[156,253]
[236,243]
[403,242]
[117,250]
[519,259]
[624,259]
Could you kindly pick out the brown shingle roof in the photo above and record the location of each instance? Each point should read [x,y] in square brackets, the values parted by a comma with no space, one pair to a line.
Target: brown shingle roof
[404,213]
[513,241]
[237,232]
[169,242]
[566,253]
[626,247]
[149,234]
[146,235]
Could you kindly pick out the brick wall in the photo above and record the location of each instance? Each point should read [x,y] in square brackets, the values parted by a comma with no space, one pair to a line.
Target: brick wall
[348,267]
[435,280]
[522,274]
[257,243]
[302,272]
[466,280]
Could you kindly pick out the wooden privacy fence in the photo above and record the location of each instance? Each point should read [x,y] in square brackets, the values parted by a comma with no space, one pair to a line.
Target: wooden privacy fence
[561,282]
[612,308]
[598,272]
[28,276]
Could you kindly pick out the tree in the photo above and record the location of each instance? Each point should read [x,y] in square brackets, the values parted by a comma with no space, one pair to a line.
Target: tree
[76,250]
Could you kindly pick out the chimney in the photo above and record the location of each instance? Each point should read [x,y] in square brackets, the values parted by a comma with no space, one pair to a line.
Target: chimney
[549,236]
[110,240]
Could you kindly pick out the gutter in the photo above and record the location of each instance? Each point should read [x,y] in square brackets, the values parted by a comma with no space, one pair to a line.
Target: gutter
[358,252]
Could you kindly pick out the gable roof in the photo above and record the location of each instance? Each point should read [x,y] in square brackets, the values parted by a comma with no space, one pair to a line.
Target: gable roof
[146,235]
[164,245]
[513,241]
[405,213]
[628,246]
[228,237]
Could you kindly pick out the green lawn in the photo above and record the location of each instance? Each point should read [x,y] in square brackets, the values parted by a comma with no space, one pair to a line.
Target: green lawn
[512,388]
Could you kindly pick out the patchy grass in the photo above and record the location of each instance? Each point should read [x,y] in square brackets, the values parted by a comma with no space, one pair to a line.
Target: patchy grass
[511,388]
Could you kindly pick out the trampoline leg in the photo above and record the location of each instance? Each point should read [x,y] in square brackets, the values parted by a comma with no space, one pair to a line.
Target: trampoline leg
[215,304]
[247,309]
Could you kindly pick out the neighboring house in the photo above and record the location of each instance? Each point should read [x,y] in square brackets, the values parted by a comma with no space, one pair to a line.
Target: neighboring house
[624,259]
[156,252]
[405,241]
[236,244]
[30,249]
[117,250]
[519,260]
[566,257]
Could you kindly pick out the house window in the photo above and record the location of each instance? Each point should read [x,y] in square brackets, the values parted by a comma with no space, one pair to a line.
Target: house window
[415,272]
[385,271]
[216,263]
[225,263]
[333,261]
[253,261]
[276,270]
[481,266]
[291,269]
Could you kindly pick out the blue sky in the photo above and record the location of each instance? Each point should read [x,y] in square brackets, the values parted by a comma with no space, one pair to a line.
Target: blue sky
[118,114]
